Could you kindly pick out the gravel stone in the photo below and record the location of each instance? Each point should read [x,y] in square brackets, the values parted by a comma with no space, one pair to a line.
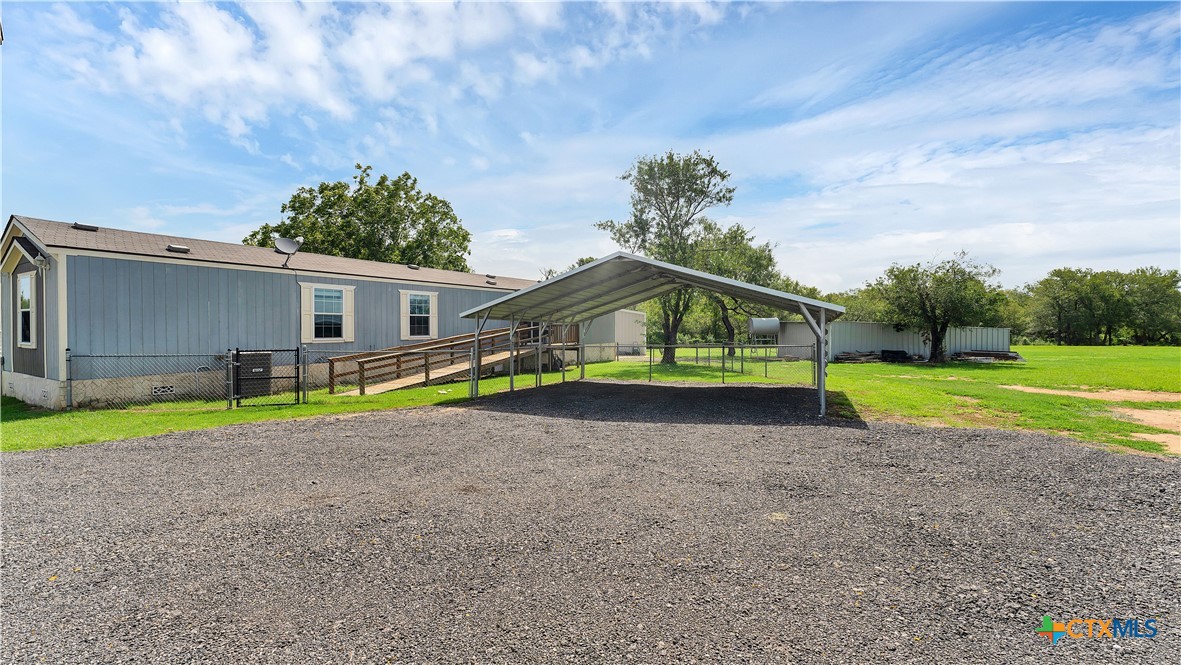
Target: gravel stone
[587,522]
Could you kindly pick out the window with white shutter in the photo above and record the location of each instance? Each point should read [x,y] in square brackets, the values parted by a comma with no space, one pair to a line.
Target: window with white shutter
[420,314]
[326,313]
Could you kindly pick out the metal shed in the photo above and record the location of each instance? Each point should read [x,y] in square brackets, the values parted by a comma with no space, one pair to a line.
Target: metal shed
[621,280]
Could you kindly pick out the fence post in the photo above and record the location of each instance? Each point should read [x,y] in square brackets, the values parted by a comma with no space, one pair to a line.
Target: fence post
[742,359]
[361,376]
[305,374]
[229,379]
[723,365]
[649,364]
[69,380]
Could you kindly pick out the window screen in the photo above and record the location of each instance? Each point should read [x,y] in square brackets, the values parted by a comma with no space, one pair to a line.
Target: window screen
[420,315]
[25,308]
[328,313]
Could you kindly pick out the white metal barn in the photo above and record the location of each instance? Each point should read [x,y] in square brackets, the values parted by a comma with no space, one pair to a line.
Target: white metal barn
[864,336]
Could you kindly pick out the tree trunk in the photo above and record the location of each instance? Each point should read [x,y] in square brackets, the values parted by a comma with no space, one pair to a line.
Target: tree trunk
[938,335]
[671,328]
[673,307]
[729,325]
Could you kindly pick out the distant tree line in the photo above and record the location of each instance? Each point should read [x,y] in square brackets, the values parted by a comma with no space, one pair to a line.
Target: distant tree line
[1073,306]
[671,194]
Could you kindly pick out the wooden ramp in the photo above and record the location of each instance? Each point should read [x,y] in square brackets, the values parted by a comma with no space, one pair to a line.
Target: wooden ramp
[446,374]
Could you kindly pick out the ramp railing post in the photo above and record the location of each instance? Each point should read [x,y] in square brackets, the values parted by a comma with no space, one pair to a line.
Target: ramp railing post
[426,368]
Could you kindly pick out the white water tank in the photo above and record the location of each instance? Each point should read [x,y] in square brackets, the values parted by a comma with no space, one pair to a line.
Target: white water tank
[764,327]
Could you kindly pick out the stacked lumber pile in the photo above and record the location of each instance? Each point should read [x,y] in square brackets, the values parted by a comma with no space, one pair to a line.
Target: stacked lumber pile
[987,356]
[858,357]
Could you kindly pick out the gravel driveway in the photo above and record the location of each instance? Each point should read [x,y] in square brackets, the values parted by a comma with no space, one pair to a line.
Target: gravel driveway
[587,522]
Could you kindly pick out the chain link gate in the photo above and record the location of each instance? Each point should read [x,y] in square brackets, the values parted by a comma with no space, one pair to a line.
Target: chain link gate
[266,377]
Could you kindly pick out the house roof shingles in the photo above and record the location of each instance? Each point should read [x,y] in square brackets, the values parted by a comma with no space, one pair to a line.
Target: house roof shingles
[117,241]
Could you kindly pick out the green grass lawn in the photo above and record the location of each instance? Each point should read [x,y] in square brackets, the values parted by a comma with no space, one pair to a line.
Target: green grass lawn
[952,394]
[967,394]
[26,428]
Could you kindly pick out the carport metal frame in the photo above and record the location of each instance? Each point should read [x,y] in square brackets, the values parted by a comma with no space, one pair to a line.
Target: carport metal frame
[621,280]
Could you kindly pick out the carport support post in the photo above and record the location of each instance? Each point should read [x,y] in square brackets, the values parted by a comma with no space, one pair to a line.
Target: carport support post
[823,361]
[512,351]
[582,330]
[818,329]
[475,389]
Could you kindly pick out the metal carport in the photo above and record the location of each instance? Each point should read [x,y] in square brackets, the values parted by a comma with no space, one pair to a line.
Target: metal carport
[621,280]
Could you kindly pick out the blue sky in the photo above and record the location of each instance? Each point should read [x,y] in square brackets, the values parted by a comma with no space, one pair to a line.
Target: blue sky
[858,134]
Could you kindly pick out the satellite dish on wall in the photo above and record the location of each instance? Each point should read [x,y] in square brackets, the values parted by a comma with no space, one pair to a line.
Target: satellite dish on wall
[287,246]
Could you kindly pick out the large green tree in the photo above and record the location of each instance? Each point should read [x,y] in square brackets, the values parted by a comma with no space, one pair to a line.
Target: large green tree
[1154,306]
[1082,306]
[387,219]
[670,195]
[933,297]
[732,252]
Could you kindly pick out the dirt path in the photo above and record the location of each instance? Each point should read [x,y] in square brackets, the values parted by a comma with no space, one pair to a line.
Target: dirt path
[1170,420]
[1164,419]
[1105,395]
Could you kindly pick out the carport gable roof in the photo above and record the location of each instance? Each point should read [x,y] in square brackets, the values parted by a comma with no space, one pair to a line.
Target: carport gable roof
[621,280]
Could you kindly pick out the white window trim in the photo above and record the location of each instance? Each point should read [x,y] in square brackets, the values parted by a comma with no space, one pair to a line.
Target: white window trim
[32,343]
[307,314]
[404,306]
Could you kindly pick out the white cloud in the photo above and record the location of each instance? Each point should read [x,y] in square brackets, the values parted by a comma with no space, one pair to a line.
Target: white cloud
[858,134]
[530,69]
[140,218]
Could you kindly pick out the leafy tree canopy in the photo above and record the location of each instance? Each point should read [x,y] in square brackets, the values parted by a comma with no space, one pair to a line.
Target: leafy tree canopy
[932,297]
[670,195]
[389,220]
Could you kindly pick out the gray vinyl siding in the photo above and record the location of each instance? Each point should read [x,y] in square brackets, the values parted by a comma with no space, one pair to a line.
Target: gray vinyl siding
[123,306]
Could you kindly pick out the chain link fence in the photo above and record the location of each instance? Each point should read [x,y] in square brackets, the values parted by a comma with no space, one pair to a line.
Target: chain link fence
[267,377]
[196,381]
[193,381]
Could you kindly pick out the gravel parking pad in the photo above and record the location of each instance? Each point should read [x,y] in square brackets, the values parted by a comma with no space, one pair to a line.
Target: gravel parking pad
[588,522]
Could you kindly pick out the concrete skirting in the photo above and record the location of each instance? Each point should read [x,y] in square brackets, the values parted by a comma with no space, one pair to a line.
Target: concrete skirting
[45,393]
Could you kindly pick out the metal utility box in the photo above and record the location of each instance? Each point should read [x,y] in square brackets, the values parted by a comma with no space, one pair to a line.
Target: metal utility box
[254,373]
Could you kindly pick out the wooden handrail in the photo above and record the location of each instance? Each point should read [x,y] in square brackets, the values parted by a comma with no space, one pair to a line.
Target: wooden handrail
[402,357]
